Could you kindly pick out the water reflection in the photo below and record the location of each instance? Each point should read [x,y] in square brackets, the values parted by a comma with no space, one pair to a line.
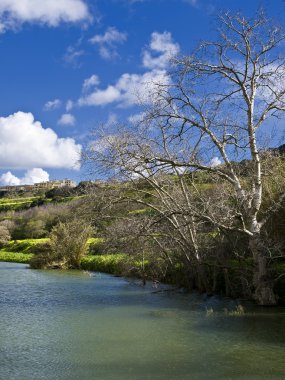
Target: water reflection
[68,325]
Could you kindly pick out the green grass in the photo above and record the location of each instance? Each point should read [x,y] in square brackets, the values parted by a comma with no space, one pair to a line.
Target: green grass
[103,263]
[95,240]
[22,251]
[142,211]
[15,257]
[17,204]
[7,204]
[17,200]
[30,245]
[24,246]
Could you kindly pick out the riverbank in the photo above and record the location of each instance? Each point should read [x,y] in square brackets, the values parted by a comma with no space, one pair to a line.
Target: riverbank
[15,257]
[99,263]
[23,251]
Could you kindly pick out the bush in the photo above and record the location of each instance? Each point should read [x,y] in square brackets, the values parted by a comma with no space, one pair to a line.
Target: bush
[68,243]
[97,246]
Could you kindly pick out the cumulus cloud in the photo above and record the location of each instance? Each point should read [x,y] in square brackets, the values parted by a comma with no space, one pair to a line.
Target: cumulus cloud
[130,89]
[9,179]
[67,119]
[35,175]
[52,105]
[24,143]
[160,50]
[49,12]
[90,82]
[107,42]
[32,176]
[100,97]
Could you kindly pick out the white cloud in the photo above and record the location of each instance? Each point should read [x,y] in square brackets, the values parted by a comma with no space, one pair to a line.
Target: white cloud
[52,104]
[100,97]
[13,13]
[215,161]
[72,56]
[164,48]
[130,89]
[35,175]
[112,35]
[107,42]
[69,105]
[137,118]
[31,176]
[67,119]
[24,143]
[8,179]
[90,82]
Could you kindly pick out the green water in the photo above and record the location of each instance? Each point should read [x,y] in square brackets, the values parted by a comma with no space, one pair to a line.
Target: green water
[70,325]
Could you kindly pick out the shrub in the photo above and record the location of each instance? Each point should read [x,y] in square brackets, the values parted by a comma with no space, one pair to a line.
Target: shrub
[68,243]
[97,246]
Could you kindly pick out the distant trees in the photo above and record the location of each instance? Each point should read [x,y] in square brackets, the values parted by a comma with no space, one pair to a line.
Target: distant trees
[216,111]
[37,222]
[60,192]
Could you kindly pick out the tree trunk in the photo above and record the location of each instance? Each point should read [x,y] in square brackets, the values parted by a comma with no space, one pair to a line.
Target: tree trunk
[263,285]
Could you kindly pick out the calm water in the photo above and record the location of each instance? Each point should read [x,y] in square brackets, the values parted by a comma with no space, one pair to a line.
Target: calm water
[69,325]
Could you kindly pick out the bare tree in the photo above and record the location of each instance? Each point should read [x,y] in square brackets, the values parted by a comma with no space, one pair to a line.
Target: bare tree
[217,111]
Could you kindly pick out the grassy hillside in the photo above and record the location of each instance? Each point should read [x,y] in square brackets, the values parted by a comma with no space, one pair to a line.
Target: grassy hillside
[8,204]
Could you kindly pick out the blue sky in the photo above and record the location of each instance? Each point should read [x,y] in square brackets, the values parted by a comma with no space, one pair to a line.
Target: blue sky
[68,66]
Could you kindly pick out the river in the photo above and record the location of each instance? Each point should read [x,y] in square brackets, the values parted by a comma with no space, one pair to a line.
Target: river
[76,325]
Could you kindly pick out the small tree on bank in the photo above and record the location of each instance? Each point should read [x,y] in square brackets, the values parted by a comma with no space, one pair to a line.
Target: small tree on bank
[67,245]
